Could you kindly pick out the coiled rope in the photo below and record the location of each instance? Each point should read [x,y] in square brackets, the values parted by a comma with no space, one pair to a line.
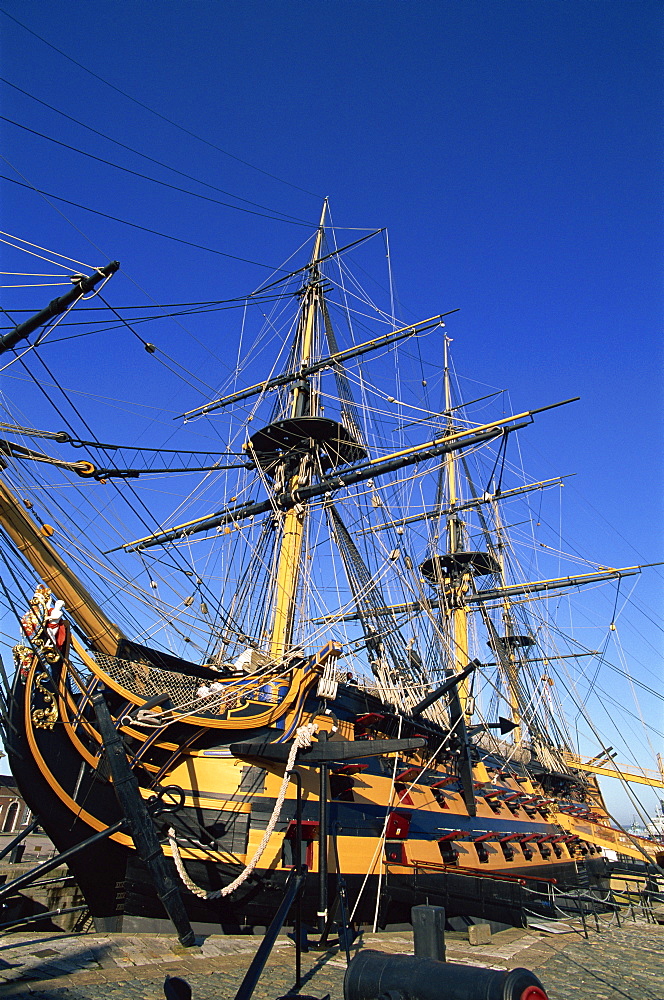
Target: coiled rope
[303,737]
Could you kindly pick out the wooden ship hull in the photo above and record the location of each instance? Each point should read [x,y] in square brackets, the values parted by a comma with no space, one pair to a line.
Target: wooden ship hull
[181,770]
[399,830]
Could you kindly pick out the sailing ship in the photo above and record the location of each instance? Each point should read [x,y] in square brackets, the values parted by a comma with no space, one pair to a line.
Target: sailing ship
[324,655]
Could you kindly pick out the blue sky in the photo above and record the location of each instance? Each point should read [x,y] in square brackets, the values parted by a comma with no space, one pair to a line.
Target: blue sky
[513,149]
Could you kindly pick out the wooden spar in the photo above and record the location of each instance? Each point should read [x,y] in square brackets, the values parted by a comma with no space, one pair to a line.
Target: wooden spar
[466,505]
[459,620]
[609,769]
[103,635]
[499,594]
[331,361]
[288,566]
[349,476]
[82,284]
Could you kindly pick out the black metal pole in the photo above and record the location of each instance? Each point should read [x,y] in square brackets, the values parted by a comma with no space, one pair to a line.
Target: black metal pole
[302,869]
[18,838]
[346,933]
[56,306]
[444,688]
[48,866]
[322,844]
[253,973]
[35,917]
[465,764]
[140,823]
[346,930]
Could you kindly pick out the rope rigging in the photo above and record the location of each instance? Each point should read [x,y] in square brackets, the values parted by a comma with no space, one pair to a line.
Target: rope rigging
[362,570]
[303,738]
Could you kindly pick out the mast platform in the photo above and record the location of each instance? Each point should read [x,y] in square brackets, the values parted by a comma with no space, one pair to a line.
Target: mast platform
[295,436]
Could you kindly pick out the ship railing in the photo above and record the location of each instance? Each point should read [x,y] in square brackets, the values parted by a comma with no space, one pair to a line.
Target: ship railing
[646,892]
[640,900]
[645,900]
[578,904]
[433,866]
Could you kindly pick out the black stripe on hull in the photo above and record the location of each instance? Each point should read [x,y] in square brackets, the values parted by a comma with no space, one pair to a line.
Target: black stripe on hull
[99,870]
[254,903]
[117,886]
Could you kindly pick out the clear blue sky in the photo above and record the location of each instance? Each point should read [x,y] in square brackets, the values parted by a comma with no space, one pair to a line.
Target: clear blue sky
[513,149]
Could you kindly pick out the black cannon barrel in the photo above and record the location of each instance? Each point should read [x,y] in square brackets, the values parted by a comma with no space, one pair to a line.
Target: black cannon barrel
[374,974]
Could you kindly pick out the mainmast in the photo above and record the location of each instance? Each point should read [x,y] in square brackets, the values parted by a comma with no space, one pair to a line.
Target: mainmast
[451,572]
[506,646]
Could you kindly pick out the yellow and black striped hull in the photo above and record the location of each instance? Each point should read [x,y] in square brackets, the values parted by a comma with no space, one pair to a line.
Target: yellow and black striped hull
[399,830]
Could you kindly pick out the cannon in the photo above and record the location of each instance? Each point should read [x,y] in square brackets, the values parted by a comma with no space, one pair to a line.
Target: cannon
[374,975]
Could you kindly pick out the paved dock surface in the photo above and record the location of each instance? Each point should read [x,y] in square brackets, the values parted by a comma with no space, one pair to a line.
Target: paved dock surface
[618,963]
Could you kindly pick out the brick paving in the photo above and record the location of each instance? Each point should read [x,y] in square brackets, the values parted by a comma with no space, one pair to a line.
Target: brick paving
[625,963]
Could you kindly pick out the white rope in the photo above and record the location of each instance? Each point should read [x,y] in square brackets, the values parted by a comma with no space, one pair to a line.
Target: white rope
[303,737]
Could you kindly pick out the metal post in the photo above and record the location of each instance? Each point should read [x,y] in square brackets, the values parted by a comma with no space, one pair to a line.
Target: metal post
[322,844]
[428,932]
[18,838]
[47,866]
[297,923]
[252,975]
[345,933]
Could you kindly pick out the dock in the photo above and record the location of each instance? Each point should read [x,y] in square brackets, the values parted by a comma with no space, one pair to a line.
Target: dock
[623,962]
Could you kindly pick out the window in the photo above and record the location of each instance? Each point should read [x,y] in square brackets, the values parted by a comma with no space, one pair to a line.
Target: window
[10,818]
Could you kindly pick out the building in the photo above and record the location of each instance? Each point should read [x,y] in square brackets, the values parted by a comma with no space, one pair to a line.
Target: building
[14,813]
[15,817]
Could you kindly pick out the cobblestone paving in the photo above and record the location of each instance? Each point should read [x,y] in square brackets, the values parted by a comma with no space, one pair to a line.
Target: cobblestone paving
[616,964]
[624,963]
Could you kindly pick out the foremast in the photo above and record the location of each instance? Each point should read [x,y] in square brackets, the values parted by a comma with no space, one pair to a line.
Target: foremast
[459,585]
[303,404]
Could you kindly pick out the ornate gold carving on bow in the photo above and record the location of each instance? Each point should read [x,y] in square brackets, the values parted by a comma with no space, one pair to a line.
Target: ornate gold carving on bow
[45,718]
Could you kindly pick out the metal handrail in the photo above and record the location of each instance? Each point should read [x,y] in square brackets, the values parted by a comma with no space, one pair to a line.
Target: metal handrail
[471,872]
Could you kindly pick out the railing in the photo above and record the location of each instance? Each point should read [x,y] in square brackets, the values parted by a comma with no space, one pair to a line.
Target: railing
[584,904]
[569,904]
[434,866]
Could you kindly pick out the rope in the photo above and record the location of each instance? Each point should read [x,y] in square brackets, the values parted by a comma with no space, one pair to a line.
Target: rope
[303,737]
[18,451]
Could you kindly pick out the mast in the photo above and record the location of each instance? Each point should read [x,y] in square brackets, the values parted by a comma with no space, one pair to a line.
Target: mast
[49,565]
[510,642]
[459,582]
[302,405]
[451,572]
